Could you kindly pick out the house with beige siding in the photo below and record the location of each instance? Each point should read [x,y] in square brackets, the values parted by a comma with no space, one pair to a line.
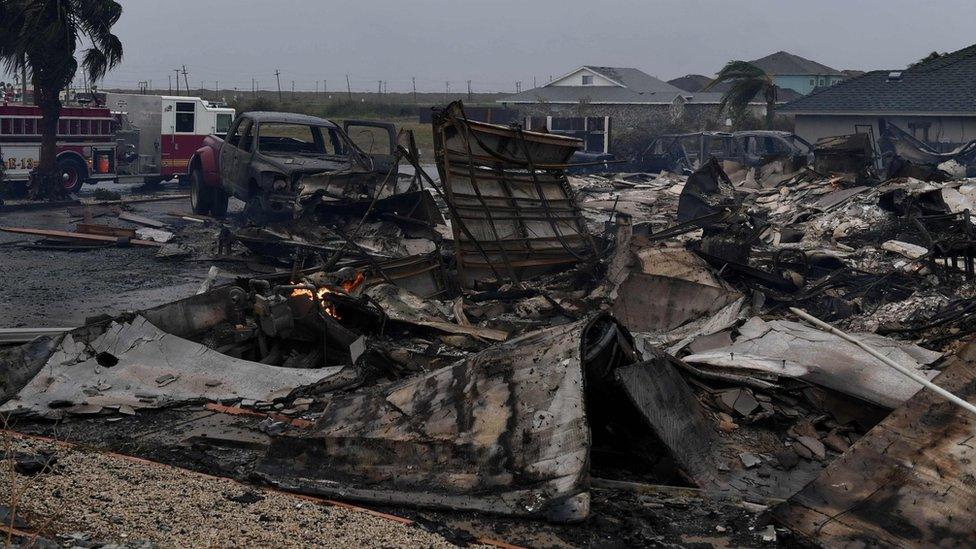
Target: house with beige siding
[935,101]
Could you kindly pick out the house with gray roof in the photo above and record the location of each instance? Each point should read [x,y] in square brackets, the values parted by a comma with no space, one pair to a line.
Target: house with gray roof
[595,103]
[796,73]
[935,101]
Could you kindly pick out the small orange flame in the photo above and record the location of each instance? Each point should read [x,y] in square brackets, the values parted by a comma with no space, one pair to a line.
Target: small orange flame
[351,285]
[320,295]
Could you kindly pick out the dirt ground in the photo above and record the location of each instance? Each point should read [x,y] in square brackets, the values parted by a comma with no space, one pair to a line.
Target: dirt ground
[101,497]
[54,288]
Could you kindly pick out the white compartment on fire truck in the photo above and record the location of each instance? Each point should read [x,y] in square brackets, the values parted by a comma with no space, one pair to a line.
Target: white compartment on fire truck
[159,133]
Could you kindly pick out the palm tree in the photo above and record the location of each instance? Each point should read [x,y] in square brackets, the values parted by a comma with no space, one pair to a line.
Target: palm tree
[746,82]
[42,37]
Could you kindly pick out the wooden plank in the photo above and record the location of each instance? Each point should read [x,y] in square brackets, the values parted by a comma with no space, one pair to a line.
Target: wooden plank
[76,236]
[193,218]
[907,483]
[141,220]
[105,230]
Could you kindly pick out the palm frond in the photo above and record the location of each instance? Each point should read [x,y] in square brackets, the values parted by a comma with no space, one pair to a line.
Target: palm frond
[740,94]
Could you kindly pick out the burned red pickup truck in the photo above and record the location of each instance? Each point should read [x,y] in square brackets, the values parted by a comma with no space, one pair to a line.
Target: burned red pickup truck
[276,162]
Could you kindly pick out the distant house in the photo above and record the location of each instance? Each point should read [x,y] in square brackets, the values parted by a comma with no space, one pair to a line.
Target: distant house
[595,103]
[935,101]
[795,73]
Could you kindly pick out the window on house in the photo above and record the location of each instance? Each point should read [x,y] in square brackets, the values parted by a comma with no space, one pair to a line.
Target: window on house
[822,82]
[587,79]
[185,117]
[813,82]
[591,129]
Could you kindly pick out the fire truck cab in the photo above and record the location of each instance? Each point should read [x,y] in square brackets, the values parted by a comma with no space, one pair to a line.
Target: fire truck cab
[158,134]
[86,144]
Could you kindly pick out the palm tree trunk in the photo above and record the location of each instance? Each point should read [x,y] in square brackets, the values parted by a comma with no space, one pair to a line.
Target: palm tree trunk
[45,181]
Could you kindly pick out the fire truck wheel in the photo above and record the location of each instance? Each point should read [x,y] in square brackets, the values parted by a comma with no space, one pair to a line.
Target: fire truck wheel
[220,199]
[73,173]
[201,196]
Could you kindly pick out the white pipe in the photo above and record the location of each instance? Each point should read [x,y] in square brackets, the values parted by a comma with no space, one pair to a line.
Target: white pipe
[870,350]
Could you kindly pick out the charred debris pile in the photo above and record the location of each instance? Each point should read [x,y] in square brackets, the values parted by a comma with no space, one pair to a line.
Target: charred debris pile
[507,337]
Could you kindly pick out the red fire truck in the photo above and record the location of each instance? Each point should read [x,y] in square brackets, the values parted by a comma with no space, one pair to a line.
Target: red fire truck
[86,143]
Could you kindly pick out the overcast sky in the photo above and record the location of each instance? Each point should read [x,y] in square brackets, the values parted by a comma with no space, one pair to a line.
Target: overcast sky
[494,43]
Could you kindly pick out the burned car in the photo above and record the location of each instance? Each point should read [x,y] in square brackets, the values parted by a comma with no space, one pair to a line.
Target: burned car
[276,161]
[687,152]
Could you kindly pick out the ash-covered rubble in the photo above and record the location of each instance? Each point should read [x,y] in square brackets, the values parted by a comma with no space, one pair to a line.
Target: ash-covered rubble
[506,338]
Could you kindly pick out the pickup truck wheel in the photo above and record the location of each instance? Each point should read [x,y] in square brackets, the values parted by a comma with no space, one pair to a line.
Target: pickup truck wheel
[220,197]
[72,174]
[201,196]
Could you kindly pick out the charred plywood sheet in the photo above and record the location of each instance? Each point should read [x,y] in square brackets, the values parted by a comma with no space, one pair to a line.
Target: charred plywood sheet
[666,403]
[504,431]
[907,483]
[514,215]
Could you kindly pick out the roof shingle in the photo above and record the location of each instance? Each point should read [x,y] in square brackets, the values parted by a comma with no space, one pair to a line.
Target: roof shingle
[785,63]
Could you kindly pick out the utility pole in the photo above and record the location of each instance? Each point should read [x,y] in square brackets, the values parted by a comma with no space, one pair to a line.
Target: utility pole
[348,88]
[469,90]
[293,87]
[413,80]
[217,87]
[534,85]
[278,78]
[170,78]
[185,81]
[316,87]
[177,71]
[447,90]
[325,88]
[379,87]
[254,90]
